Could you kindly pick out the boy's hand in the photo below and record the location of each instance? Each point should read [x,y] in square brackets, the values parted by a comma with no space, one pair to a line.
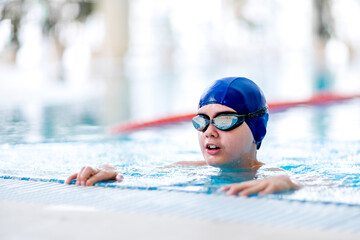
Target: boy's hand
[89,175]
[261,187]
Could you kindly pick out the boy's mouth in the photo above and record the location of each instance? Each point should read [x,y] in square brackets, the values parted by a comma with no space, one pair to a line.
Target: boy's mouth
[212,148]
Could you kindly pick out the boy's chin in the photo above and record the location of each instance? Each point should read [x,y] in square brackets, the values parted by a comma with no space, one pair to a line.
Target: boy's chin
[219,163]
[222,164]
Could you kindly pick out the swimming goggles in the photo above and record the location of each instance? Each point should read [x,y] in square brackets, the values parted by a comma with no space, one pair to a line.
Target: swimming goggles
[225,121]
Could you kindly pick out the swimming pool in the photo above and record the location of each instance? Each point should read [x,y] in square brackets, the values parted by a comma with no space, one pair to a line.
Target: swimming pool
[317,145]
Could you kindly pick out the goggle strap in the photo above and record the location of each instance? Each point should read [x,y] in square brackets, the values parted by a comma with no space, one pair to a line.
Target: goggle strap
[258,113]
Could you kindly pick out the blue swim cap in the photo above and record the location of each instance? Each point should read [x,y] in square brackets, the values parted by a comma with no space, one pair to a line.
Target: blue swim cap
[242,95]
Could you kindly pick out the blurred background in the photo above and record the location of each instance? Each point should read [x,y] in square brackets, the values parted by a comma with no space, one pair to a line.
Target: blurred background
[98,63]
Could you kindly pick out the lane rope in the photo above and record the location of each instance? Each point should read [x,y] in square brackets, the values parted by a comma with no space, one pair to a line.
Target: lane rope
[318,99]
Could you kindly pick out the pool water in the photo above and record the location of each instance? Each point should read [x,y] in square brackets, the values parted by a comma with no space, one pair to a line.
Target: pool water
[317,145]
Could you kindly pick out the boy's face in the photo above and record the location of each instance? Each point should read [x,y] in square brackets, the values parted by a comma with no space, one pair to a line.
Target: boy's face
[226,149]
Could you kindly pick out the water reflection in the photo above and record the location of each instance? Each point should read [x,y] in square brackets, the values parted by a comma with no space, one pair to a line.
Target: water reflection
[57,122]
[13,126]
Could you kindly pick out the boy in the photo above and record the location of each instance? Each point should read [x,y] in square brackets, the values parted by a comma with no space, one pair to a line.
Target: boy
[231,119]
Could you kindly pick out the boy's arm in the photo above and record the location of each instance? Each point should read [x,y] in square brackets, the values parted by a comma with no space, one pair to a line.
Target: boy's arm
[264,186]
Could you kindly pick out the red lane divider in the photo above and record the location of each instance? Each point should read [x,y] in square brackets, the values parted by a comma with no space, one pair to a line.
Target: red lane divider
[131,126]
[320,98]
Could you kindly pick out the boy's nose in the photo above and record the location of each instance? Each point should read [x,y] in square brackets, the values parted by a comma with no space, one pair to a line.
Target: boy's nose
[211,131]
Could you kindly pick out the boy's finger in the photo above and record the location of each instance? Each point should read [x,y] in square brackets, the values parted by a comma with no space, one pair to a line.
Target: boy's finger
[85,174]
[70,178]
[79,176]
[99,177]
[254,189]
[269,189]
[234,189]
[119,177]
[225,188]
[238,187]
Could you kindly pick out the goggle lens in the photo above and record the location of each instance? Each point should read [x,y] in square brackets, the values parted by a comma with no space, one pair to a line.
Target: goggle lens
[225,122]
[200,122]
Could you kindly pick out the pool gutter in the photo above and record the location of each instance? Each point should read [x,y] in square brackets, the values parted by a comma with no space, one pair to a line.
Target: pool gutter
[43,210]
